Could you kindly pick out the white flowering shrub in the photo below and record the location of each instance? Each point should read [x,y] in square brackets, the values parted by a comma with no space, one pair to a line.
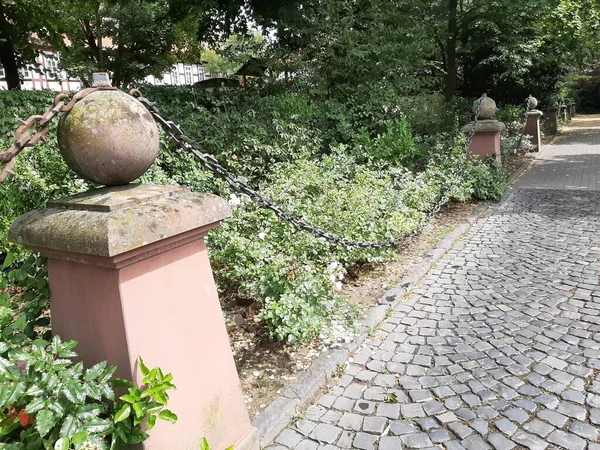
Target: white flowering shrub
[294,274]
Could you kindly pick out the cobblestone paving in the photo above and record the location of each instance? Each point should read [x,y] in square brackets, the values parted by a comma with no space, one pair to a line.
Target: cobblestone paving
[500,346]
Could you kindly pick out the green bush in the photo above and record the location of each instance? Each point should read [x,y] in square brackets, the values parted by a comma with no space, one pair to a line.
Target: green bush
[486,181]
[49,402]
[380,183]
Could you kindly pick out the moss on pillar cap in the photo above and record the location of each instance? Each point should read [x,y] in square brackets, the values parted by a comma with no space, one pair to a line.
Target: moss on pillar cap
[111,221]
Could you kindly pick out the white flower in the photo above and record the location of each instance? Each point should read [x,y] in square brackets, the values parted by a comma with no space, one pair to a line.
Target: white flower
[234,200]
[331,267]
[338,285]
[341,276]
[262,235]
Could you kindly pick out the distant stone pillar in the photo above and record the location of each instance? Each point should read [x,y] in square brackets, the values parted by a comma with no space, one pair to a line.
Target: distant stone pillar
[532,127]
[573,110]
[130,276]
[552,120]
[486,131]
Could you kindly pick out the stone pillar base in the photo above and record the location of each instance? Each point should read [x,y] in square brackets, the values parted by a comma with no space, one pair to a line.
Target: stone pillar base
[130,276]
[486,140]
[532,128]
[551,120]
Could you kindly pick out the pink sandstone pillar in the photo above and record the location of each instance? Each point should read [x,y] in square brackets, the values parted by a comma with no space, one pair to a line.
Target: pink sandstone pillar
[486,140]
[532,128]
[130,276]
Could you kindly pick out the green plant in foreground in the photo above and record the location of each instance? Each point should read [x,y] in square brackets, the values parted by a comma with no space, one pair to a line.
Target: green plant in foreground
[48,402]
[204,445]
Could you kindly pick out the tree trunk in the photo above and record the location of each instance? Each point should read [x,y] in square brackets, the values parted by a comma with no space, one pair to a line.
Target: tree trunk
[7,53]
[451,64]
[99,37]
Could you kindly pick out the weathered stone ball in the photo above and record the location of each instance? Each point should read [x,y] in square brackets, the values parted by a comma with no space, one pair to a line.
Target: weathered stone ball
[108,138]
[532,102]
[487,109]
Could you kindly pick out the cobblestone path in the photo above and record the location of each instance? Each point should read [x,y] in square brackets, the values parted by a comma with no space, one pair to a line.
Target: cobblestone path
[500,346]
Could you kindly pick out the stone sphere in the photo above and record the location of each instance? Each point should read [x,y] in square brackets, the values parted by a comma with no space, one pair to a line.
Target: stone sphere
[487,109]
[108,138]
[532,102]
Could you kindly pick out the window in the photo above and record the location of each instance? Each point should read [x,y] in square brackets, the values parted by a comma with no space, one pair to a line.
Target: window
[188,74]
[51,66]
[25,73]
[174,75]
[2,75]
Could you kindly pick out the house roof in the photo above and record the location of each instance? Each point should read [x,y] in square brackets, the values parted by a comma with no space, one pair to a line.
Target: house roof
[254,67]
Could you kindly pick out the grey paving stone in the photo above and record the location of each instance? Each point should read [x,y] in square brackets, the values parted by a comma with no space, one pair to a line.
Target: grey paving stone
[567,440]
[584,430]
[539,427]
[289,438]
[325,433]
[416,440]
[401,427]
[506,426]
[390,443]
[553,417]
[529,441]
[307,445]
[364,441]
[350,421]
[439,436]
[375,425]
[499,442]
[474,442]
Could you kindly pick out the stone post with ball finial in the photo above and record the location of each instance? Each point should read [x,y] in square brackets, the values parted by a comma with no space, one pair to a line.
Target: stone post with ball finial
[486,131]
[532,123]
[130,276]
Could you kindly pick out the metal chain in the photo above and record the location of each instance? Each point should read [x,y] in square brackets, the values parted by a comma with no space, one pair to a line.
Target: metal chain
[211,163]
[35,128]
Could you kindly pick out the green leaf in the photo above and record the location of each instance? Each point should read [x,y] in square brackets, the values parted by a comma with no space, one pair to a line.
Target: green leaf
[80,438]
[123,413]
[145,371]
[95,371]
[69,427]
[128,398]
[74,391]
[120,383]
[168,416]
[99,426]
[35,405]
[204,444]
[62,444]
[45,420]
[139,410]
[151,422]
[88,411]
[9,260]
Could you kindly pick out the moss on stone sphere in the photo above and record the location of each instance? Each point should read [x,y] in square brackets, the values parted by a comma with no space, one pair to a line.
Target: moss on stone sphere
[108,138]
[487,109]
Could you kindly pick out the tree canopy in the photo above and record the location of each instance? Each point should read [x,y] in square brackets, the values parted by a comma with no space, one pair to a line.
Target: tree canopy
[458,47]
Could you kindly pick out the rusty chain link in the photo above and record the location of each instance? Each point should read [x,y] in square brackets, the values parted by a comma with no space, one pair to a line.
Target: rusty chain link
[35,128]
[211,163]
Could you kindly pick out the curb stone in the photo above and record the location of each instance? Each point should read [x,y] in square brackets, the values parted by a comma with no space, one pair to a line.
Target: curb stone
[275,417]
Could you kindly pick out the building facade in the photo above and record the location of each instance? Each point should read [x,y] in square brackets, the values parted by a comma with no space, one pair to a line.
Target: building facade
[46,75]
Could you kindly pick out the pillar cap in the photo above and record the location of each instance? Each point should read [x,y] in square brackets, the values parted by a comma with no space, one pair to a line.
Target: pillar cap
[111,221]
[484,126]
[535,112]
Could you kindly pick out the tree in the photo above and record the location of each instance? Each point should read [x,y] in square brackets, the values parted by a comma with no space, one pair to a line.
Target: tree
[23,23]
